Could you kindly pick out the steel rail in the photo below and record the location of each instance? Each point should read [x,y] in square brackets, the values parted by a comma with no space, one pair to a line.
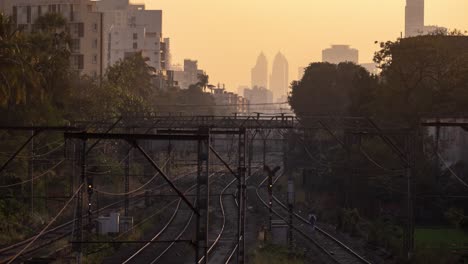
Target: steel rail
[307,237]
[140,250]
[135,198]
[320,230]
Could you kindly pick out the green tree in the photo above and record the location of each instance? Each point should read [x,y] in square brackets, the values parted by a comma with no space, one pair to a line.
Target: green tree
[132,75]
[18,76]
[203,81]
[329,89]
[34,71]
[421,76]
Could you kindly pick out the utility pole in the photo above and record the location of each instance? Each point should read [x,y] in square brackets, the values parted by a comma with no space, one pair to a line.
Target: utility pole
[291,210]
[31,171]
[203,196]
[270,175]
[127,178]
[409,140]
[270,198]
[241,190]
[78,228]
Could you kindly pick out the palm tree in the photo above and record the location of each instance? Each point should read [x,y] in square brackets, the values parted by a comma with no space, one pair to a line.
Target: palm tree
[203,80]
[17,74]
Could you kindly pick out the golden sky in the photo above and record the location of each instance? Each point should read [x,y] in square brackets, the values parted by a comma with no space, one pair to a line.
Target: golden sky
[225,36]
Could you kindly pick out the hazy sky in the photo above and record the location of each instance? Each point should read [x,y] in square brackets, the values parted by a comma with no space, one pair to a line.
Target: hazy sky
[225,36]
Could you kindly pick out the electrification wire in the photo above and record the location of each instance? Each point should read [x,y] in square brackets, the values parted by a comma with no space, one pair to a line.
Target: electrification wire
[49,144]
[219,105]
[50,152]
[46,227]
[308,152]
[34,178]
[139,188]
[451,171]
[373,161]
[38,148]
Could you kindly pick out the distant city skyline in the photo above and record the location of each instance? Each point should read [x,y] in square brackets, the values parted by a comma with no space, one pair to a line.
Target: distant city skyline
[259,73]
[279,77]
[226,42]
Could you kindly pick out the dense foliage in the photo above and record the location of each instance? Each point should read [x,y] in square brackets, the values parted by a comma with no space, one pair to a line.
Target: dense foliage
[38,86]
[424,76]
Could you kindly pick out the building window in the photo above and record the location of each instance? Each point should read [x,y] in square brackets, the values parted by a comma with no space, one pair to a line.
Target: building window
[75,45]
[80,30]
[52,8]
[77,30]
[15,14]
[77,61]
[135,35]
[95,43]
[135,45]
[94,59]
[72,17]
[28,11]
[74,30]
[95,27]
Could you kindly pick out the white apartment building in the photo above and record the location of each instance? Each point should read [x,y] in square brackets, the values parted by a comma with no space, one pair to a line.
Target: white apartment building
[84,24]
[130,28]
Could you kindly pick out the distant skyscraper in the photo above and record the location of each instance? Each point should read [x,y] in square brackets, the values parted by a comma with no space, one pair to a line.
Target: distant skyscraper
[279,78]
[259,73]
[414,18]
[340,53]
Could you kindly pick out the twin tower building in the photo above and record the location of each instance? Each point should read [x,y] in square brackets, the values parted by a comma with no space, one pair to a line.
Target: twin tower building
[278,83]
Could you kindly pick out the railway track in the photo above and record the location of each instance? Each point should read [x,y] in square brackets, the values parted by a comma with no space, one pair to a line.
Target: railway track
[332,248]
[154,250]
[63,230]
[223,245]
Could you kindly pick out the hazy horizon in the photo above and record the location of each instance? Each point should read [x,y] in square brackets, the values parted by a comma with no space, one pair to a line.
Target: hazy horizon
[226,37]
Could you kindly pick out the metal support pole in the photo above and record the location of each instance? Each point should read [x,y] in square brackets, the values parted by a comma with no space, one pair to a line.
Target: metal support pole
[169,162]
[270,199]
[31,171]
[410,217]
[290,210]
[251,145]
[270,175]
[264,152]
[78,229]
[203,195]
[436,157]
[127,179]
[72,174]
[250,157]
[90,191]
[241,189]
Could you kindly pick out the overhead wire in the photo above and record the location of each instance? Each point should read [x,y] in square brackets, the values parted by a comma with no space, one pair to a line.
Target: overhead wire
[34,178]
[451,171]
[139,188]
[46,227]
